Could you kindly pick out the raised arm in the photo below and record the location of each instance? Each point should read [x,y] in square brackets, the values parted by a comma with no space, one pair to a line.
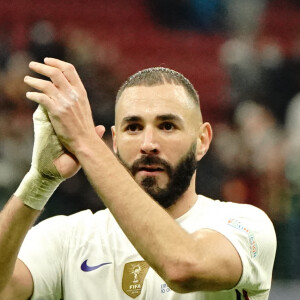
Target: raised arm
[50,165]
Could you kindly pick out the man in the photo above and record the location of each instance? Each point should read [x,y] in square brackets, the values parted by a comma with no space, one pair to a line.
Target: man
[181,246]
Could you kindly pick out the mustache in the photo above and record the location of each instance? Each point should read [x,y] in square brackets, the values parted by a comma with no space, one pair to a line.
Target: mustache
[150,161]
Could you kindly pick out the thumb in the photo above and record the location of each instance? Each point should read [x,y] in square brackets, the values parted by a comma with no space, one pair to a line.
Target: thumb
[100,129]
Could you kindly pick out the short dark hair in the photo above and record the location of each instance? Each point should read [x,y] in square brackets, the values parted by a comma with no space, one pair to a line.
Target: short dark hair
[157,76]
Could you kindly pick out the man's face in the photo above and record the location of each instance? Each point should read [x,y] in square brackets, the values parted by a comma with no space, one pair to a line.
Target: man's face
[156,136]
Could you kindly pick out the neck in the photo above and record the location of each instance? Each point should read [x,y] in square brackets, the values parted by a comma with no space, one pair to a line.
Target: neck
[185,202]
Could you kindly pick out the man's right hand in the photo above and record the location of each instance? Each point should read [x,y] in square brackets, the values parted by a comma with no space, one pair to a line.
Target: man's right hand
[51,164]
[49,157]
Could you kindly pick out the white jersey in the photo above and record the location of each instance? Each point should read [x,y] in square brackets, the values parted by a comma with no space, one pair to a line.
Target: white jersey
[87,256]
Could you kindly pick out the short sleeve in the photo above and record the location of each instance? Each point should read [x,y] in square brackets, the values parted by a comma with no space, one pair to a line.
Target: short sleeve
[43,252]
[252,234]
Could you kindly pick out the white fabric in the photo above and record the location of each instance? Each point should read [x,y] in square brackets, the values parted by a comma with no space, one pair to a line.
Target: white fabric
[55,249]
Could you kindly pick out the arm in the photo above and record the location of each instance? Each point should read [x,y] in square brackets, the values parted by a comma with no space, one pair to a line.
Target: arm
[205,260]
[15,221]
[50,165]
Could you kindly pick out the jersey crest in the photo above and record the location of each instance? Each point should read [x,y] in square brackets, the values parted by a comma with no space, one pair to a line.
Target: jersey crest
[133,277]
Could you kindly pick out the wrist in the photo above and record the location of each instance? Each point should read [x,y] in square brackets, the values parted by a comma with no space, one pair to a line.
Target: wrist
[36,189]
[88,147]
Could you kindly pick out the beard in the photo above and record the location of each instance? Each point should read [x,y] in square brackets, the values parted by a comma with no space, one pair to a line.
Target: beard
[179,176]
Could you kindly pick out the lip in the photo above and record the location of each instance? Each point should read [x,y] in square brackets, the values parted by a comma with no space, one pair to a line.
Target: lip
[149,173]
[150,170]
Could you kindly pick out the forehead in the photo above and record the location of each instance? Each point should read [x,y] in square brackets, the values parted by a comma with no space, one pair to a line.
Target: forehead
[158,99]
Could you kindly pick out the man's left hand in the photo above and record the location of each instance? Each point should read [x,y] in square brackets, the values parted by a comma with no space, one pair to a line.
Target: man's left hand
[66,101]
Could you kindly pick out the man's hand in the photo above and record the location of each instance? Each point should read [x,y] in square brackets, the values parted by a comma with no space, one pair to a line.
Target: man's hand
[66,102]
[50,164]
[49,158]
[63,124]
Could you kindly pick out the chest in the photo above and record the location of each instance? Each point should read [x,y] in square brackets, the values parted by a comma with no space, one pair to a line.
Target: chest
[106,266]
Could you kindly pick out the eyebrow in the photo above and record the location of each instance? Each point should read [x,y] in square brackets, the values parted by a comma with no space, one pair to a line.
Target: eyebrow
[169,117]
[130,119]
[166,117]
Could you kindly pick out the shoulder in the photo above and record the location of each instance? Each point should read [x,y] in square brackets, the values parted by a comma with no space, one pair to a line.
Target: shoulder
[252,234]
[64,226]
[226,210]
[240,222]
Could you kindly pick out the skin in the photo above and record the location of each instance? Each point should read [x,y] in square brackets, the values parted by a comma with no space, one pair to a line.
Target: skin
[204,260]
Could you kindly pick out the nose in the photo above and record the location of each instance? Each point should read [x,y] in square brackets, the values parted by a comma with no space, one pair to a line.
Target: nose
[149,144]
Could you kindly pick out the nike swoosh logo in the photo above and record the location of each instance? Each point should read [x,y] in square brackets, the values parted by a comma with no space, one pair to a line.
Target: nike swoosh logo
[86,268]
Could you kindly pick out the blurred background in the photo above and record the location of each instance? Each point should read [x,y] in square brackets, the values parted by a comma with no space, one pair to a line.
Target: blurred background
[243,57]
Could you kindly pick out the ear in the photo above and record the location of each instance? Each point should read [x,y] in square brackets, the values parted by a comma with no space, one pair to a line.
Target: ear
[114,138]
[204,139]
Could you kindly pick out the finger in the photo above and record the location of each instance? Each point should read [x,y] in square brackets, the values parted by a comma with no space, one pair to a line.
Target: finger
[56,75]
[40,98]
[66,68]
[65,99]
[100,129]
[44,86]
[67,164]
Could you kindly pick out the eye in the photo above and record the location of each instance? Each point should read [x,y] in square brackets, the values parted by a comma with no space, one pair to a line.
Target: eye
[167,126]
[133,127]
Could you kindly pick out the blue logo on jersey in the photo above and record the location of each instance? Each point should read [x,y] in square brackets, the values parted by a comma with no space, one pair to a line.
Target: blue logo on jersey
[164,288]
[86,268]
